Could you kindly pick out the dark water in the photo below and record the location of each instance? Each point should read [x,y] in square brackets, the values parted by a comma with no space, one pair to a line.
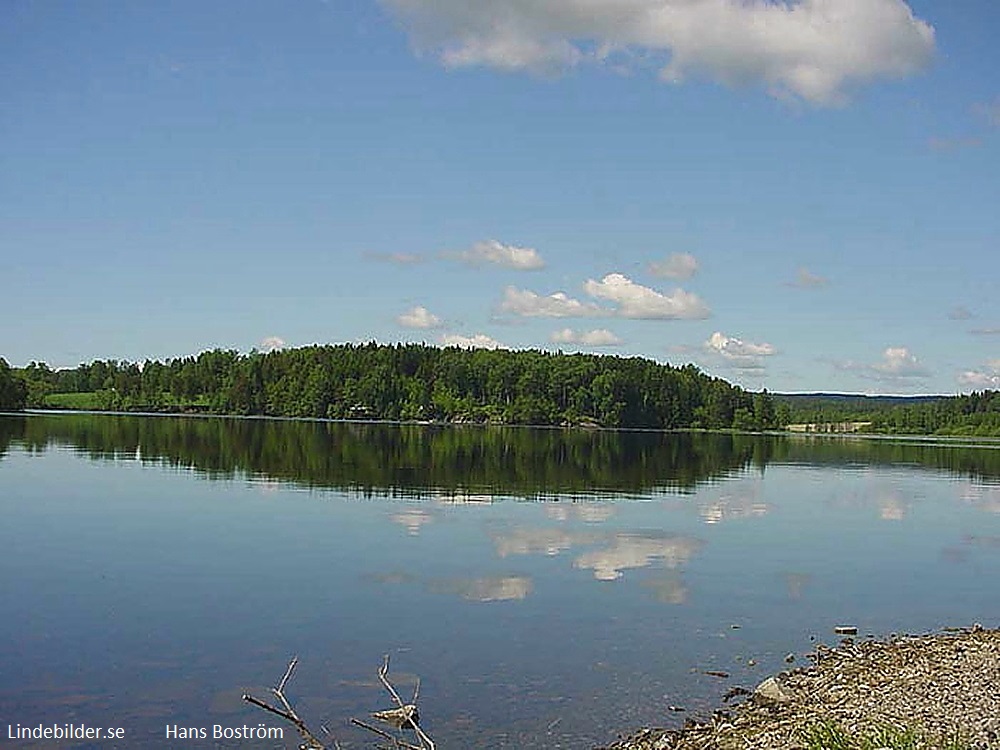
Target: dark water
[550,588]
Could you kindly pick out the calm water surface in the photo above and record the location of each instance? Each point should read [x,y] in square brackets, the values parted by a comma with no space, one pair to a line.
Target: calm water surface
[550,588]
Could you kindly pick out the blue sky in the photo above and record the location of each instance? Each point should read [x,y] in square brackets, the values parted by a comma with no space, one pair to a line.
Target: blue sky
[799,196]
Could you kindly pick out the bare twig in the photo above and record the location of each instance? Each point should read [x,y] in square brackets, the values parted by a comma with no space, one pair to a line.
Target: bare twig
[408,711]
[403,716]
[396,741]
[288,713]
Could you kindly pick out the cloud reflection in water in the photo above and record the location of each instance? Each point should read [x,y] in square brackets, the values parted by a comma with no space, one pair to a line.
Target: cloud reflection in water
[638,550]
[486,589]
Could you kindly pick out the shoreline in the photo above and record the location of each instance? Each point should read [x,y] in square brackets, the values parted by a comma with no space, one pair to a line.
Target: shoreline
[941,685]
[986,441]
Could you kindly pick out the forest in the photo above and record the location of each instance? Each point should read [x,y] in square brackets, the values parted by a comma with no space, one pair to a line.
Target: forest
[421,383]
[410,382]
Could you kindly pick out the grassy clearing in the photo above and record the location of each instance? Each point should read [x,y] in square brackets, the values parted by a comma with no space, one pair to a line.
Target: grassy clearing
[831,736]
[96,400]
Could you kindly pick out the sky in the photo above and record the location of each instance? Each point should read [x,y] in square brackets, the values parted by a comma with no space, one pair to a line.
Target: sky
[800,196]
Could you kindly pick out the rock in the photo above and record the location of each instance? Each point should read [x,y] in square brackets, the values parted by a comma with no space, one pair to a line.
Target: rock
[789,658]
[770,690]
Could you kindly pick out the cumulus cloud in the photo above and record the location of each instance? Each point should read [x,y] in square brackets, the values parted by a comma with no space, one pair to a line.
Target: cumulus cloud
[805,279]
[741,354]
[638,301]
[897,363]
[271,343]
[985,378]
[814,50]
[418,317]
[499,254]
[531,305]
[596,337]
[676,266]
[476,341]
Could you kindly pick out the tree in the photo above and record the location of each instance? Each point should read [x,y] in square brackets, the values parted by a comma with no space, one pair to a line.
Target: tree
[13,390]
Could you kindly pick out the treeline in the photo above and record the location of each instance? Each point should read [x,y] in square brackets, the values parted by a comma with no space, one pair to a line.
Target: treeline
[975,414]
[414,382]
[411,382]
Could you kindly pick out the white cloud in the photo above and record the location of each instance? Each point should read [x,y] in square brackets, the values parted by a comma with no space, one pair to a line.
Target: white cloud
[676,266]
[994,331]
[596,337]
[271,343]
[987,378]
[531,305]
[638,301]
[805,279]
[733,348]
[476,341]
[897,363]
[743,355]
[497,253]
[418,317]
[814,50]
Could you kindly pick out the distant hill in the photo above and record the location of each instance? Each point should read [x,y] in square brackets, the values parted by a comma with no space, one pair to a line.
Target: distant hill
[852,399]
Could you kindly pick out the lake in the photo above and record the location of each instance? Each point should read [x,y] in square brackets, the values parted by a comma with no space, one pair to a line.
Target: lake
[551,588]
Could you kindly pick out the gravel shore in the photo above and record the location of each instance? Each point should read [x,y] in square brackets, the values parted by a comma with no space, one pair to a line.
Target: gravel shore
[940,684]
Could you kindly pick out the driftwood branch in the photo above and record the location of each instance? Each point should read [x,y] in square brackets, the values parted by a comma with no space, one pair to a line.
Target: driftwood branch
[405,713]
[288,712]
[403,716]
